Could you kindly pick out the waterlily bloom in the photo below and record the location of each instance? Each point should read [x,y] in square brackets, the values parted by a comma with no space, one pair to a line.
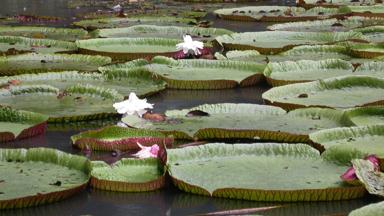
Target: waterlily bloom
[117,8]
[350,175]
[147,151]
[133,106]
[189,46]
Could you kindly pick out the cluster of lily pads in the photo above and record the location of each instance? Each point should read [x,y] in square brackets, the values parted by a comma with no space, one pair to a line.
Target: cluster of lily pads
[322,127]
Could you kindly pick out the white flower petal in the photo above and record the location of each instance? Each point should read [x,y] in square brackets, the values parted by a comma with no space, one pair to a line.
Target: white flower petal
[133,106]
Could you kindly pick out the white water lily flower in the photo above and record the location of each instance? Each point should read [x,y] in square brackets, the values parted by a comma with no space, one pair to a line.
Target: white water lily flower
[117,8]
[133,106]
[147,151]
[189,46]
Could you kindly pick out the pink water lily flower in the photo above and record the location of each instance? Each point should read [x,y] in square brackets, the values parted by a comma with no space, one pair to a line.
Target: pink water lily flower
[147,151]
[190,46]
[350,175]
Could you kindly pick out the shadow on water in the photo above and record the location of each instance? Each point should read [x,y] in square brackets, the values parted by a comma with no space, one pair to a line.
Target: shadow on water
[169,201]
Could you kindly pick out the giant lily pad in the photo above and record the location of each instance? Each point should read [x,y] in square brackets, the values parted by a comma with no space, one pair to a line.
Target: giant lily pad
[345,144]
[283,73]
[338,93]
[65,34]
[92,24]
[275,13]
[374,34]
[333,3]
[366,10]
[138,81]
[38,176]
[16,124]
[367,50]
[205,74]
[248,171]
[119,138]
[328,24]
[14,45]
[242,121]
[36,63]
[176,32]
[366,115]
[128,175]
[75,103]
[376,209]
[128,48]
[276,41]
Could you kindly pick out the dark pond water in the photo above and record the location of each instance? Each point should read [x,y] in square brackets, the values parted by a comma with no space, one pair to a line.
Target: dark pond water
[168,201]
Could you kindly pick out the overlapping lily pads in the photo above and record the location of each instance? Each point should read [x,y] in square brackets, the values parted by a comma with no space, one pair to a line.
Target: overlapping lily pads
[366,115]
[276,13]
[345,144]
[337,93]
[138,81]
[242,121]
[75,103]
[205,74]
[328,24]
[36,63]
[38,176]
[248,171]
[128,48]
[119,138]
[128,175]
[176,32]
[92,24]
[64,34]
[272,42]
[15,124]
[15,45]
[364,10]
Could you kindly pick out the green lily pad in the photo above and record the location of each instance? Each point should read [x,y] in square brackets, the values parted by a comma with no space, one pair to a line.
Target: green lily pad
[92,24]
[272,42]
[205,74]
[328,24]
[39,175]
[128,175]
[176,32]
[36,63]
[246,171]
[345,144]
[376,209]
[64,34]
[364,10]
[283,73]
[374,34]
[17,124]
[241,55]
[15,45]
[337,93]
[275,13]
[366,115]
[118,138]
[138,81]
[334,3]
[75,103]
[128,48]
[367,50]
[242,121]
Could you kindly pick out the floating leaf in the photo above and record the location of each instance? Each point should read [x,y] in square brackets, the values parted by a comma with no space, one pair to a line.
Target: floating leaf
[245,171]
[128,175]
[339,93]
[39,175]
[15,124]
